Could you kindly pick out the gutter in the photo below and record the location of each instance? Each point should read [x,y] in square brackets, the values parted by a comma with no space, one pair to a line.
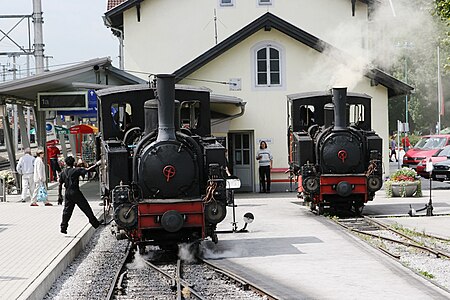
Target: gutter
[241,105]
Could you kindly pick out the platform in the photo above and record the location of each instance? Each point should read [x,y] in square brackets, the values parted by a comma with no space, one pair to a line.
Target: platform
[286,245]
[33,252]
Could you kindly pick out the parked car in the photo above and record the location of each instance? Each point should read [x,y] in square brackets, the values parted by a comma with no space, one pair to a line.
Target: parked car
[426,147]
[441,170]
[441,155]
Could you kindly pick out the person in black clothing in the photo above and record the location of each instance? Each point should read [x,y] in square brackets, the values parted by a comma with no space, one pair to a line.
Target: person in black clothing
[70,178]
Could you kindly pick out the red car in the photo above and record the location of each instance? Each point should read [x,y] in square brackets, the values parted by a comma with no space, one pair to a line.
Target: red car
[426,147]
[441,155]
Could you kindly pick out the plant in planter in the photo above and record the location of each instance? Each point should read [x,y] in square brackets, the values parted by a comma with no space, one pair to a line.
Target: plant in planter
[8,178]
[403,183]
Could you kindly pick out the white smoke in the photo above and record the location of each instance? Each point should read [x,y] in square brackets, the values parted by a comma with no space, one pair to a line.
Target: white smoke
[358,46]
[210,253]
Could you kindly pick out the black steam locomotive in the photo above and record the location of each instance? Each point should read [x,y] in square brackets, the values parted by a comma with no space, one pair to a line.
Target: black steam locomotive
[333,152]
[162,170]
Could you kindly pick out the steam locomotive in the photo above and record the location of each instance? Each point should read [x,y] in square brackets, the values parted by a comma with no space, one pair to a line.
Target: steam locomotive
[334,154]
[161,169]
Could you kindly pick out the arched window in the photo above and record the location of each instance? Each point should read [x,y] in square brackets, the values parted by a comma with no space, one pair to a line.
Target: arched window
[268,66]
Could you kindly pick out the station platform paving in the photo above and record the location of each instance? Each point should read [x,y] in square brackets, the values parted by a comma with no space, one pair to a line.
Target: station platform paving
[286,245]
[33,252]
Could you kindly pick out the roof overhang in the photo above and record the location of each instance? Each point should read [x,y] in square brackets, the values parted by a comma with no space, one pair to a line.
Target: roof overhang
[114,16]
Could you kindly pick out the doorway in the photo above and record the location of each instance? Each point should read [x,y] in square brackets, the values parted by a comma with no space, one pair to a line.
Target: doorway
[240,156]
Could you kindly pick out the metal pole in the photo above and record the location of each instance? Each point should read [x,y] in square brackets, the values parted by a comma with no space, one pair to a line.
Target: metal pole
[39,58]
[438,129]
[430,203]
[406,96]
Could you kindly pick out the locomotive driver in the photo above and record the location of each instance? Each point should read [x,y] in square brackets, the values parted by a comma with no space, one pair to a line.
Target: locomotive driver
[70,178]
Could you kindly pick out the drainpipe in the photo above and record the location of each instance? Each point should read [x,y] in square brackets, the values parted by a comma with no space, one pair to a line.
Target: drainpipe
[119,34]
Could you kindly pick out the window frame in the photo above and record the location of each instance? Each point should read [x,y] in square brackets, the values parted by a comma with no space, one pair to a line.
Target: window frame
[281,65]
[265,2]
[222,4]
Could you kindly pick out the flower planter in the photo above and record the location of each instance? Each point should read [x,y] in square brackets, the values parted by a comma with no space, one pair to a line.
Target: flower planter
[404,189]
[403,183]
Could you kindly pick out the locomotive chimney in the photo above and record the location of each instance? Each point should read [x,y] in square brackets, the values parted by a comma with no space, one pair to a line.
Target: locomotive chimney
[165,89]
[340,100]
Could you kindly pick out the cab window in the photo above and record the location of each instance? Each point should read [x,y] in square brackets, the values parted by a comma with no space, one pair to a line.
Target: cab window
[122,115]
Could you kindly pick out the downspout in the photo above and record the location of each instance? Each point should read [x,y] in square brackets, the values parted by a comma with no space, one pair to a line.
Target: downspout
[119,34]
[242,106]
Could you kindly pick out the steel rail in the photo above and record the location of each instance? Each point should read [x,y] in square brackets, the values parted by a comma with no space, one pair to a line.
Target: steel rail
[242,281]
[118,277]
[408,243]
[174,279]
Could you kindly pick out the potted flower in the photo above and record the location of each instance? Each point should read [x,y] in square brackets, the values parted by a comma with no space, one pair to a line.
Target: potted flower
[403,183]
[8,179]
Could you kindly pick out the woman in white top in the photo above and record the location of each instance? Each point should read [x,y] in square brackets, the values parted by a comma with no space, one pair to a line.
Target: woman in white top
[265,158]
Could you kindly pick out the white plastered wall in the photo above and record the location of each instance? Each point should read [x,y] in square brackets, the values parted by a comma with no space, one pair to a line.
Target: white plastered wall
[305,70]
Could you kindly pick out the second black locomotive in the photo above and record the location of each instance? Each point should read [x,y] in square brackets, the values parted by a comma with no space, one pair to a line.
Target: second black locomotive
[333,151]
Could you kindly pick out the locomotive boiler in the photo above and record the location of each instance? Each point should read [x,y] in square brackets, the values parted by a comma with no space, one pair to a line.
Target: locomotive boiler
[333,151]
[162,171]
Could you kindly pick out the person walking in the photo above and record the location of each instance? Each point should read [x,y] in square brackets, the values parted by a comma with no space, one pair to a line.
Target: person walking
[265,159]
[70,177]
[392,148]
[25,167]
[39,178]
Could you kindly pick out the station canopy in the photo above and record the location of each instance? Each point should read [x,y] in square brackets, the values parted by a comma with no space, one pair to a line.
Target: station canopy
[92,74]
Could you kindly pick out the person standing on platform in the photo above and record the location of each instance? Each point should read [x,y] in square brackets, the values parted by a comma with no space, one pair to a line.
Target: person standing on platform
[53,152]
[39,178]
[25,167]
[406,143]
[265,158]
[70,177]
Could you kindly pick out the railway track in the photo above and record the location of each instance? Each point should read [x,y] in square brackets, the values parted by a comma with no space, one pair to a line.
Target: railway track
[201,279]
[425,254]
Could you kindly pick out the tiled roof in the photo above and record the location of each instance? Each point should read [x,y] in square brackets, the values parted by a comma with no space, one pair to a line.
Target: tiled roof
[114,3]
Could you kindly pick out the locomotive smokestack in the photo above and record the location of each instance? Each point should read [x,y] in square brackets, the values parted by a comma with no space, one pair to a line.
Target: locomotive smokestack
[165,89]
[340,101]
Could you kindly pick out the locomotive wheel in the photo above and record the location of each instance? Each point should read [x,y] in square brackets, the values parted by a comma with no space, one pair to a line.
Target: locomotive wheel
[141,249]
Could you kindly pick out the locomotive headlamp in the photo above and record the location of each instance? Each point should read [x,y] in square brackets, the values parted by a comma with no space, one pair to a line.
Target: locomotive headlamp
[374,183]
[344,189]
[126,215]
[172,221]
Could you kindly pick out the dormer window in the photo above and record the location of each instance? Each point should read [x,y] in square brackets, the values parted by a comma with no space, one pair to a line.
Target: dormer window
[265,2]
[226,2]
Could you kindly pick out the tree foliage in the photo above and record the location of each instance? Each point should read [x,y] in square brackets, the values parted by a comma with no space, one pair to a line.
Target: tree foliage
[419,68]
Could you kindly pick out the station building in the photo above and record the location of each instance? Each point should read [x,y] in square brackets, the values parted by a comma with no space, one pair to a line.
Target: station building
[259,52]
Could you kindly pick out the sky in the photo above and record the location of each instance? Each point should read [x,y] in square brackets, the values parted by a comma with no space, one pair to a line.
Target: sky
[73,31]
